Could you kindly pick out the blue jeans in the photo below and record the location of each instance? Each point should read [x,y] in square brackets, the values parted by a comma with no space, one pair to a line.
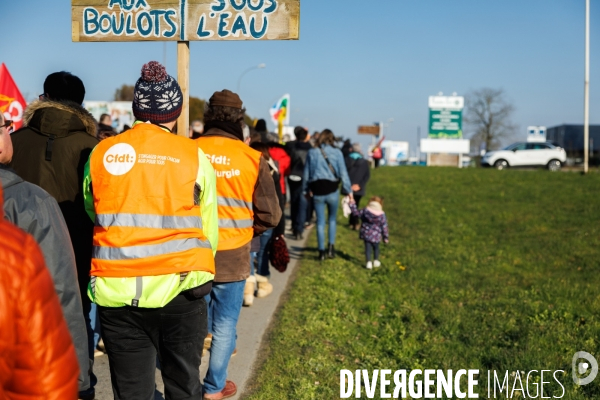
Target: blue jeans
[331,202]
[223,313]
[263,254]
[95,324]
[253,255]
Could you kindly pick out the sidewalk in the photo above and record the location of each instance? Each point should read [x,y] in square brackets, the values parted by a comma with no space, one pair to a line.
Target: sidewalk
[253,323]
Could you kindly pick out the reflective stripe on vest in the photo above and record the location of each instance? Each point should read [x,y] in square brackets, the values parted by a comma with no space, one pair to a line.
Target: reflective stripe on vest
[235,223]
[232,202]
[237,169]
[151,250]
[148,221]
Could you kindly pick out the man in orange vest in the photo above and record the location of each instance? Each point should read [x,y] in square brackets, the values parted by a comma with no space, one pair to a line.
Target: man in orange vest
[248,206]
[153,198]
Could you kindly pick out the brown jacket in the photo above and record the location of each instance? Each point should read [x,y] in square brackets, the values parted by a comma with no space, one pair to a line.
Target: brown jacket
[37,357]
[234,265]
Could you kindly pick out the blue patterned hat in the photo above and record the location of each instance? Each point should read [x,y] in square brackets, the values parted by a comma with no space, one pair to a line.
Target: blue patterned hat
[157,96]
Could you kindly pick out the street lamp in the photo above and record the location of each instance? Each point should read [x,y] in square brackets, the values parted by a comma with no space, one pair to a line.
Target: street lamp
[586,90]
[259,66]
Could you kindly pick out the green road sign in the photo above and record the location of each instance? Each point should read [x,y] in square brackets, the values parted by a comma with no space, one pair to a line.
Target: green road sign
[445,123]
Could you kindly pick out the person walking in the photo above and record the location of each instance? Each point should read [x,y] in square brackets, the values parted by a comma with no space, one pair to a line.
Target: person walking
[152,195]
[248,206]
[33,210]
[298,151]
[373,230]
[50,151]
[377,155]
[37,358]
[263,273]
[279,154]
[359,172]
[323,172]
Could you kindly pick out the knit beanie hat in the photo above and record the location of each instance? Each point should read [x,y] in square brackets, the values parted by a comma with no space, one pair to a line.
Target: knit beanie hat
[157,96]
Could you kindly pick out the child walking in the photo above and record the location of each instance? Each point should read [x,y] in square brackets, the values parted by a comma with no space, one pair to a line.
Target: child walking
[374,228]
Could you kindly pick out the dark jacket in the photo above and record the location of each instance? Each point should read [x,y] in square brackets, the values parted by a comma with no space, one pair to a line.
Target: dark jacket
[298,152]
[37,359]
[51,152]
[234,265]
[359,172]
[33,210]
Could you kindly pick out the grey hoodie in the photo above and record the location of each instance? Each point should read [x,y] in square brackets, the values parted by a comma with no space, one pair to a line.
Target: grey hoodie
[33,210]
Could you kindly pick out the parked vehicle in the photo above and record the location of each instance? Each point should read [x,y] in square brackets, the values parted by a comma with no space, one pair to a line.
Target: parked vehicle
[526,155]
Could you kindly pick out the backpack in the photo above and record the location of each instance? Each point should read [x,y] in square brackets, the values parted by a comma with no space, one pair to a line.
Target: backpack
[278,254]
[298,161]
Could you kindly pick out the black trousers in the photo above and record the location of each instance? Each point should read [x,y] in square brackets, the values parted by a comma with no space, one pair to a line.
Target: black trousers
[134,336]
[297,202]
[374,247]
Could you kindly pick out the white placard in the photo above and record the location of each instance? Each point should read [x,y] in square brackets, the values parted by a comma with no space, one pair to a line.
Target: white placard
[450,146]
[447,102]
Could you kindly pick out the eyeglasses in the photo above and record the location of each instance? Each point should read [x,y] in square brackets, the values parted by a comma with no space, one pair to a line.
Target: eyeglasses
[8,124]
[43,96]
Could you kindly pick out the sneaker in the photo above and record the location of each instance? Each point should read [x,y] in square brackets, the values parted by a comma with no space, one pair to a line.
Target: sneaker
[377,264]
[369,265]
[98,353]
[228,391]
[101,345]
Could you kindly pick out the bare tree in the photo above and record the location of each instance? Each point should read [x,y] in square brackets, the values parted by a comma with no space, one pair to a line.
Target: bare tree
[124,93]
[488,114]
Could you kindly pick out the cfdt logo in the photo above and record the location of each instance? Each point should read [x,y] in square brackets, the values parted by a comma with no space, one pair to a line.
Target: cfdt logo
[581,368]
[119,159]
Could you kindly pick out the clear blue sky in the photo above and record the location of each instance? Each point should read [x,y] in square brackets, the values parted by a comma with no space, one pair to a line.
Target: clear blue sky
[356,62]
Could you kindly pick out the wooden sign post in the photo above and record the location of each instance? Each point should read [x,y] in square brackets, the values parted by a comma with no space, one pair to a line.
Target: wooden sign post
[183,78]
[184,21]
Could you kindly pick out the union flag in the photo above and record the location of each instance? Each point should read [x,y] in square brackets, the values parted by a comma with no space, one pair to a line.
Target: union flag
[12,102]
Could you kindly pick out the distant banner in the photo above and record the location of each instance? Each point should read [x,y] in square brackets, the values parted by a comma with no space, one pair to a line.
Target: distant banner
[12,103]
[281,111]
[160,20]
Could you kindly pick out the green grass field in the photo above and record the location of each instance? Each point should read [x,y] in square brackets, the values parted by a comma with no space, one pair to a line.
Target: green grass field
[485,270]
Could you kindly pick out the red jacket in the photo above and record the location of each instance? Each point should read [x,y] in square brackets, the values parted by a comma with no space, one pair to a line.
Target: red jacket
[37,357]
[279,154]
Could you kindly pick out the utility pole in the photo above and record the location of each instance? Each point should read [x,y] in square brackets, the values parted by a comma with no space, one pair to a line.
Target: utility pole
[586,91]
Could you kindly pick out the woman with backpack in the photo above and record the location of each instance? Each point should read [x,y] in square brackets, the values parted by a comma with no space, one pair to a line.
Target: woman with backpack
[323,171]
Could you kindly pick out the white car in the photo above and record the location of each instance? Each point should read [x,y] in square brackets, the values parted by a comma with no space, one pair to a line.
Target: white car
[526,155]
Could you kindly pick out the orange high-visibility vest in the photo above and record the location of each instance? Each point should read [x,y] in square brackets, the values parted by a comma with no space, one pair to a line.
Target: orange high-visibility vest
[148,221]
[236,166]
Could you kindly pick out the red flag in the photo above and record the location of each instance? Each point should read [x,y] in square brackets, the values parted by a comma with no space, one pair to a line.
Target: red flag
[12,102]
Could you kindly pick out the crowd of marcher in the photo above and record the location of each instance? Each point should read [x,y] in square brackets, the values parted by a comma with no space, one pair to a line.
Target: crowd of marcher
[149,243]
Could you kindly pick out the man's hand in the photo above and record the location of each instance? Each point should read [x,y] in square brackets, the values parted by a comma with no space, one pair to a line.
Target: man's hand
[355,187]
